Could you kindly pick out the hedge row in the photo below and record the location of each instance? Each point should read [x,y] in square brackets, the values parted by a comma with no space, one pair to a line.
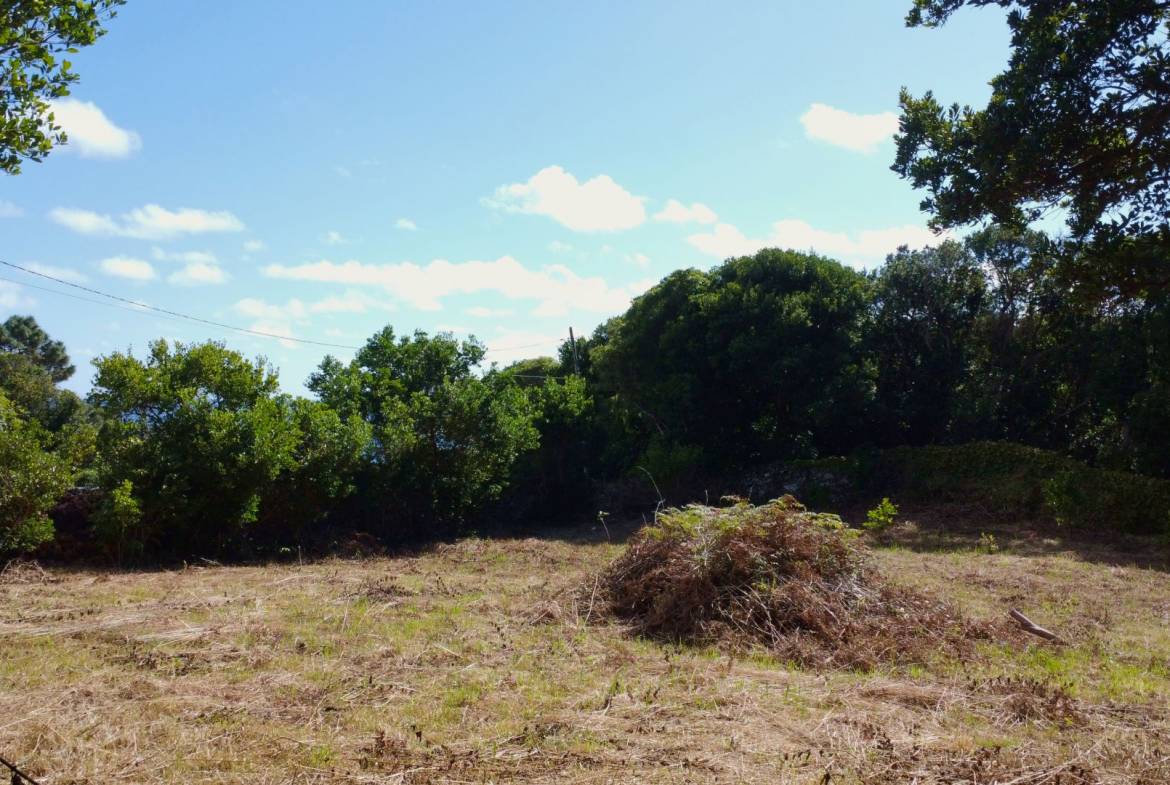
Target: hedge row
[1011,479]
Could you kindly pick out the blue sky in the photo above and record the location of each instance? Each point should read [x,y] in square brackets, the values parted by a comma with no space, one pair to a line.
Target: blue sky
[318,170]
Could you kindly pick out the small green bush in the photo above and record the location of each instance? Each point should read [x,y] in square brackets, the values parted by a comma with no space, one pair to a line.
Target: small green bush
[882,516]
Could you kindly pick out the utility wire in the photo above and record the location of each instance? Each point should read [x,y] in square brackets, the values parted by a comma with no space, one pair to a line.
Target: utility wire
[85,299]
[138,307]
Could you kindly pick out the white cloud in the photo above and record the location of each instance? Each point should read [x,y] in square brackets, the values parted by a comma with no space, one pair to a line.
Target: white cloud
[150,222]
[83,221]
[10,210]
[277,319]
[64,273]
[343,171]
[556,288]
[188,257]
[252,246]
[90,132]
[127,267]
[596,205]
[406,223]
[259,309]
[334,238]
[640,259]
[352,301]
[489,313]
[863,249]
[725,241]
[198,273]
[676,212]
[12,296]
[278,329]
[858,132]
[556,246]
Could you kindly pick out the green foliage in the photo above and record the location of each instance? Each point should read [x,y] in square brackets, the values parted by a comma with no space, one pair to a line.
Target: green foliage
[212,458]
[327,455]
[987,543]
[32,478]
[31,366]
[981,341]
[118,519]
[1014,480]
[1101,499]
[668,464]
[758,359]
[33,35]
[444,440]
[22,335]
[1079,120]
[554,475]
[882,516]
[928,306]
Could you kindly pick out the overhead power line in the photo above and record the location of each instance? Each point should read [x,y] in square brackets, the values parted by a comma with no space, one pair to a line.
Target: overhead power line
[138,307]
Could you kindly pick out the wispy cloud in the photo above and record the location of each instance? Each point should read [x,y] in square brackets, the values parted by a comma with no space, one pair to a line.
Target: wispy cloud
[862,249]
[198,274]
[406,224]
[482,312]
[13,296]
[556,289]
[64,273]
[128,267]
[189,257]
[150,222]
[10,210]
[676,212]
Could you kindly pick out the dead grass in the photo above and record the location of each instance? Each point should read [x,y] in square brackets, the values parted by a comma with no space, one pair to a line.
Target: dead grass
[473,663]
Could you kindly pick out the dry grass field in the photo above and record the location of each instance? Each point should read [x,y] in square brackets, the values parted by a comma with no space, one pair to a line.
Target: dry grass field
[474,663]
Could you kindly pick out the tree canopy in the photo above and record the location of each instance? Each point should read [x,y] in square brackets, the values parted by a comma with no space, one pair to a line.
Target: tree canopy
[1079,122]
[22,335]
[34,36]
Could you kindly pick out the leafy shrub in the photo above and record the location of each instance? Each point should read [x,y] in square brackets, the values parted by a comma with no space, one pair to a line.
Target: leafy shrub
[882,516]
[778,575]
[987,543]
[32,478]
[117,521]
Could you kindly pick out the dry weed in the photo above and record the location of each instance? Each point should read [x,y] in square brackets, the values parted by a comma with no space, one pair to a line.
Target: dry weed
[795,581]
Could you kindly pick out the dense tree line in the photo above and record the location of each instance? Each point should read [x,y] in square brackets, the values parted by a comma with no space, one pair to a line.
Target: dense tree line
[785,355]
[193,449]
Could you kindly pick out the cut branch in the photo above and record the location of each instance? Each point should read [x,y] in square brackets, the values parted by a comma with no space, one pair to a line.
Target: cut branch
[1027,625]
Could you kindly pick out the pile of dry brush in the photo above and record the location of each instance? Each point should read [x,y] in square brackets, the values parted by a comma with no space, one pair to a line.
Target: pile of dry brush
[796,581]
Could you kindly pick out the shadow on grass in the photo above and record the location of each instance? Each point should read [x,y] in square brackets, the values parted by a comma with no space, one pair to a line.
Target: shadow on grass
[955,528]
